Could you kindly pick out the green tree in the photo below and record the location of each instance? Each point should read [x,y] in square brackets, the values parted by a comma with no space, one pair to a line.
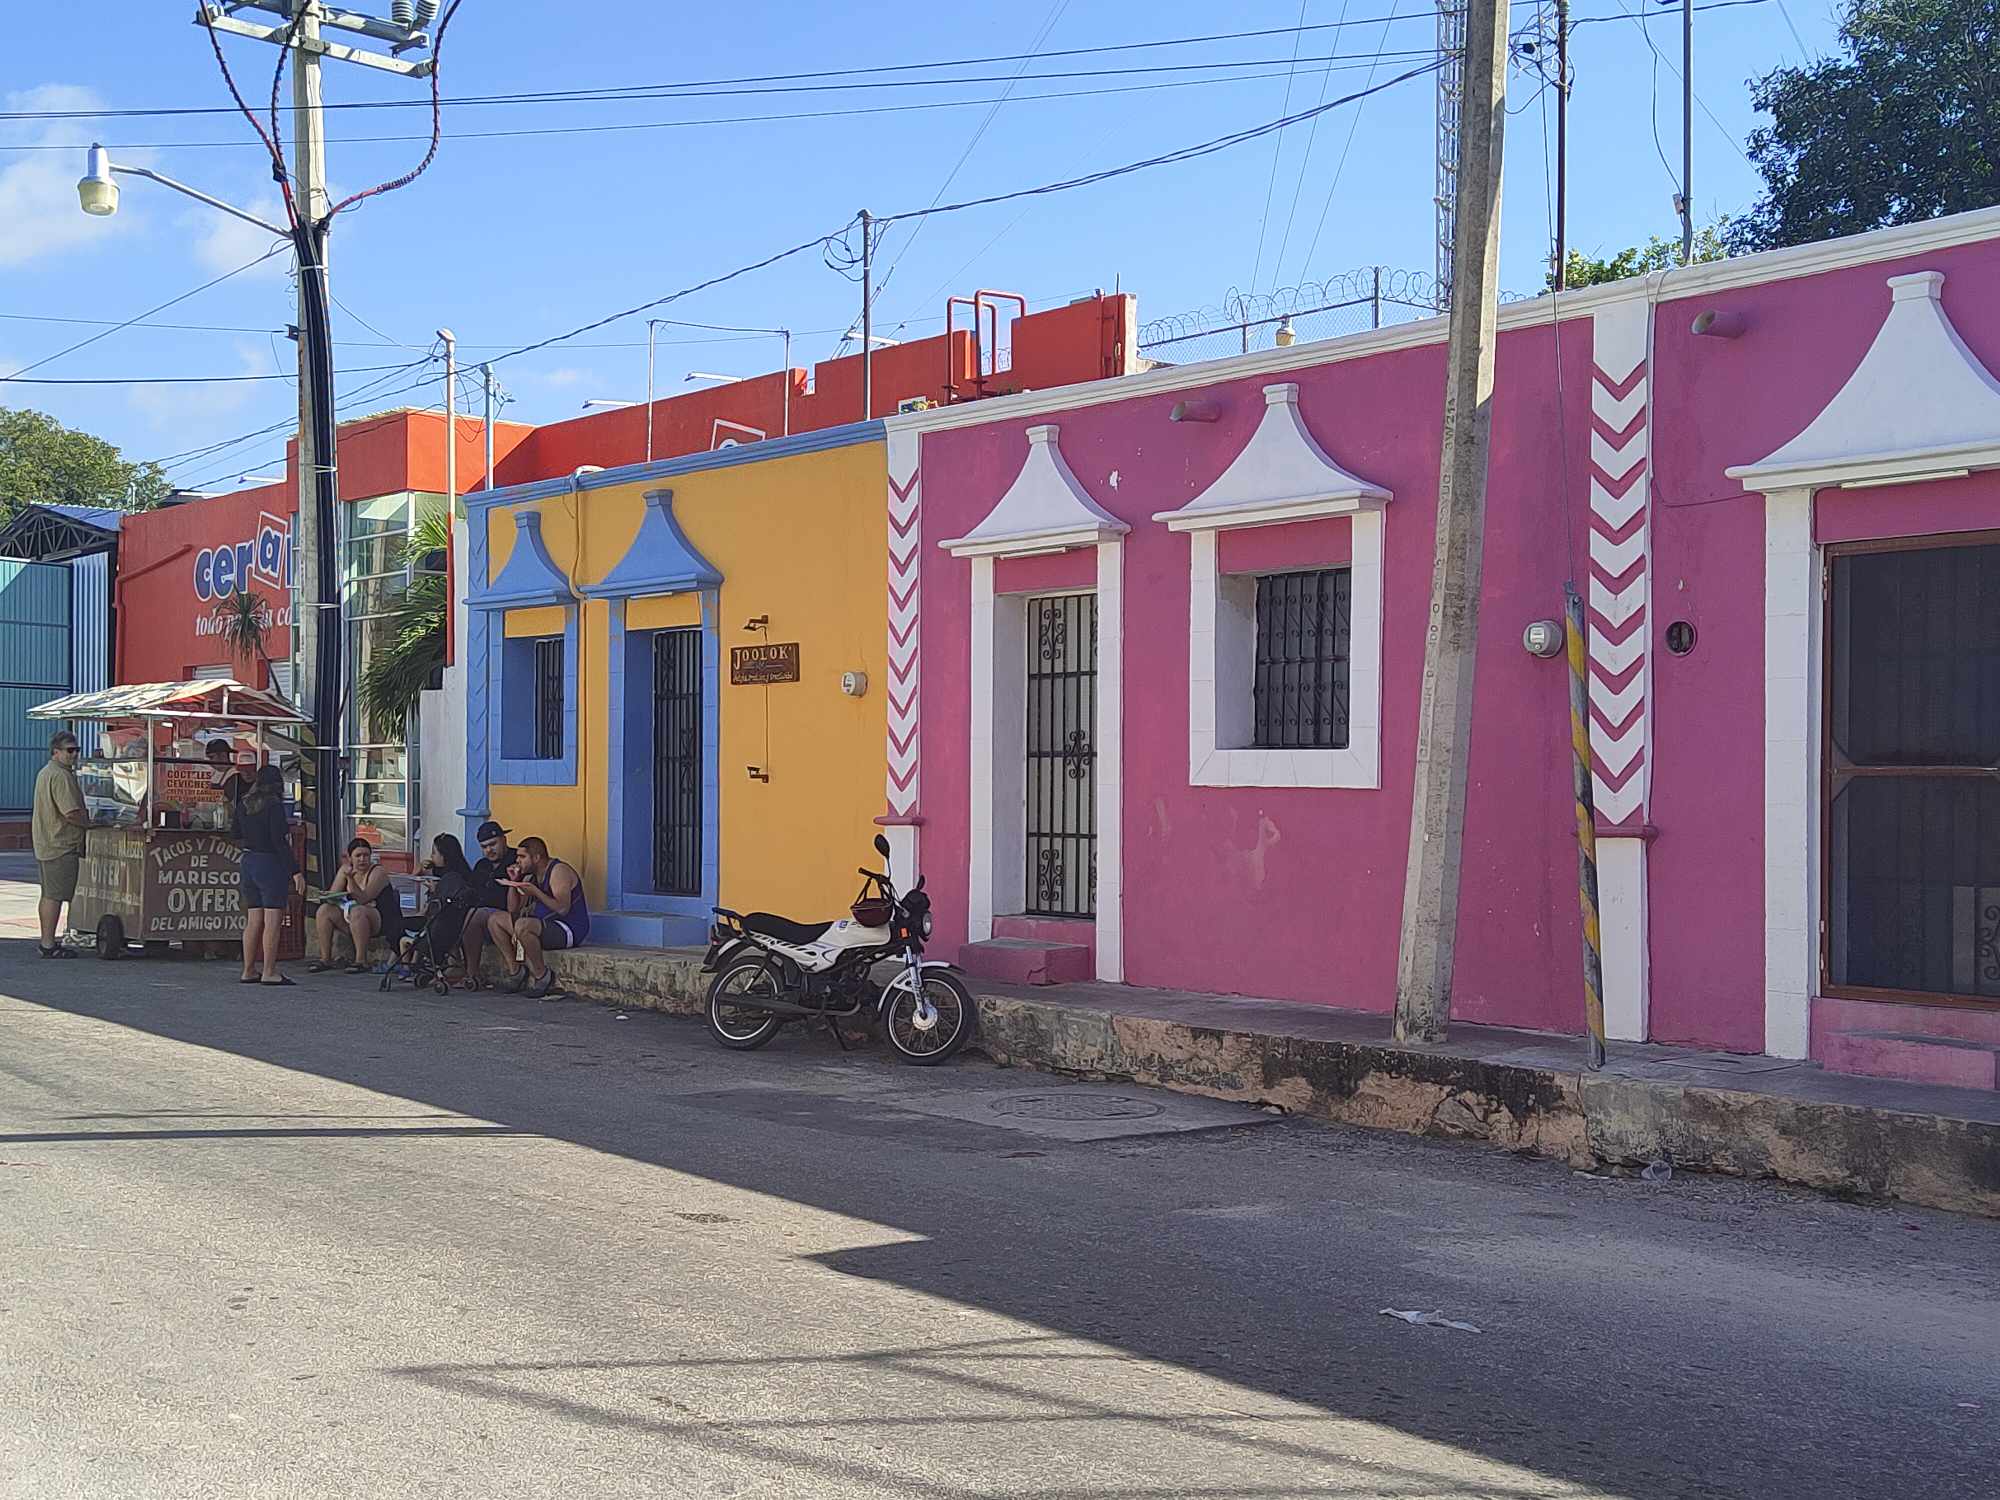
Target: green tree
[1904,125]
[414,656]
[43,462]
[1637,260]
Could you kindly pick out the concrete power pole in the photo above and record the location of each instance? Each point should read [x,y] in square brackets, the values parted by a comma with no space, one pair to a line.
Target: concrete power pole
[314,548]
[318,630]
[1451,640]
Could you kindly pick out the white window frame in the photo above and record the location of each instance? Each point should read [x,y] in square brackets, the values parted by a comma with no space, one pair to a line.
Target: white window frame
[1222,643]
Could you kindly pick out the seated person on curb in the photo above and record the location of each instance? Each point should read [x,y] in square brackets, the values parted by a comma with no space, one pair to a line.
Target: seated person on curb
[361,898]
[490,899]
[550,915]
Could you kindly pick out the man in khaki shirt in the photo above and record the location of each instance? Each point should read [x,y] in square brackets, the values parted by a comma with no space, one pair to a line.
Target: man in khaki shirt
[59,822]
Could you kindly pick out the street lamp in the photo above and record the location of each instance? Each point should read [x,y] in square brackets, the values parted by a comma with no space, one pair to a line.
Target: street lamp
[705,375]
[97,191]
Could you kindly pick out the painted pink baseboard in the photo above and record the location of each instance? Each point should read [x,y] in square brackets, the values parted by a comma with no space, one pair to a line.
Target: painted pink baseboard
[1071,931]
[1961,1021]
[1913,1058]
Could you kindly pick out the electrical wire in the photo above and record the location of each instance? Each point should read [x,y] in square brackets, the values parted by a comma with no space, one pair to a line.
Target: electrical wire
[127,323]
[748,119]
[163,379]
[1278,150]
[1660,58]
[628,92]
[1305,165]
[437,126]
[278,172]
[1049,23]
[1353,126]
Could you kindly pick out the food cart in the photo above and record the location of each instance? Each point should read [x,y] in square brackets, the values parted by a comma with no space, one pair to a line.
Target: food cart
[159,862]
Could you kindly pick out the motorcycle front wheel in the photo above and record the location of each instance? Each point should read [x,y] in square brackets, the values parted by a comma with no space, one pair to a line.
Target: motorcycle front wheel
[929,1034]
[736,1025]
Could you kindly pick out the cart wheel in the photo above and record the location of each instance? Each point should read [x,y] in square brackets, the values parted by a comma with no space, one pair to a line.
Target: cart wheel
[441,986]
[110,938]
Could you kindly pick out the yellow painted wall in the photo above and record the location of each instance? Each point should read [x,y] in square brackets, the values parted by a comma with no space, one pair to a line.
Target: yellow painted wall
[803,540]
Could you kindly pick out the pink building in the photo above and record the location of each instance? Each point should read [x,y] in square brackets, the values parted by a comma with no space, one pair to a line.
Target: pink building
[1156,648]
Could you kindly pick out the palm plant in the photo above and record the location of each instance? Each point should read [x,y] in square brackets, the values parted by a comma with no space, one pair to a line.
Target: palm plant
[414,655]
[244,618]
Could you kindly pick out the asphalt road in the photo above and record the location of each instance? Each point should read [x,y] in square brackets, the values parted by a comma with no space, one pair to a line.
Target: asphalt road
[332,1242]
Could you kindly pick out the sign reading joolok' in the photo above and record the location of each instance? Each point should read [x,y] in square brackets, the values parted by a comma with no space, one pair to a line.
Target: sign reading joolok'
[196,889]
[777,662]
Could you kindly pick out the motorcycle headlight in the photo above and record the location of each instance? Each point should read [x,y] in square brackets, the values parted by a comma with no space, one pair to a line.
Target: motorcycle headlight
[924,925]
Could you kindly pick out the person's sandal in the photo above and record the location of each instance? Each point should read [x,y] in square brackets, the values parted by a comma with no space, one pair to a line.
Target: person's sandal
[318,966]
[58,951]
[357,968]
[514,982]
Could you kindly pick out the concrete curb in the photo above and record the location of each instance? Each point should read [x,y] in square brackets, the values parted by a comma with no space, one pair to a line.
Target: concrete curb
[1583,1119]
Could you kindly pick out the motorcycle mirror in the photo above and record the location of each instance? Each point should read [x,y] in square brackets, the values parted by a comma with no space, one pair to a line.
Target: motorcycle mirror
[881,846]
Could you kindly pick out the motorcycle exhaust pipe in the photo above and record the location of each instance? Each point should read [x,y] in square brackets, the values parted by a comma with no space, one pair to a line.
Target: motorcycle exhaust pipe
[788,1009]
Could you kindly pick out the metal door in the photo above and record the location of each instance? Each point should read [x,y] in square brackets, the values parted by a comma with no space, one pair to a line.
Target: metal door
[677,811]
[1062,756]
[1912,771]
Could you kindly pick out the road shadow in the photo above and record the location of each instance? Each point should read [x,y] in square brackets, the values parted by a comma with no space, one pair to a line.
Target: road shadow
[1695,1414]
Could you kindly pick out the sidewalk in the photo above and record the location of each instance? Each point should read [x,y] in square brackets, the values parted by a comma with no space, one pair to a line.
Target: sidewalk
[1519,1090]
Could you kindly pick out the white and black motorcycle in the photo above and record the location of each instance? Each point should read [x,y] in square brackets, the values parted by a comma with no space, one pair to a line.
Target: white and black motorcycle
[770,970]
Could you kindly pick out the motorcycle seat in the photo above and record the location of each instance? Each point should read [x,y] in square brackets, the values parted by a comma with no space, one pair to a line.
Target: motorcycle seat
[784,929]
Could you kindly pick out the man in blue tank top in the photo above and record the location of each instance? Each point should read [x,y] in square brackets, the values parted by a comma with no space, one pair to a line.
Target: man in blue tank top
[552,914]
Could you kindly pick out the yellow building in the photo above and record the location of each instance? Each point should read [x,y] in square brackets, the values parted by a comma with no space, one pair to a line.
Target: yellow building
[674,677]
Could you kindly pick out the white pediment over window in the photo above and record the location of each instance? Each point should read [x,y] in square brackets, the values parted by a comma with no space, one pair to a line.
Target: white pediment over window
[1044,510]
[1920,405]
[1281,475]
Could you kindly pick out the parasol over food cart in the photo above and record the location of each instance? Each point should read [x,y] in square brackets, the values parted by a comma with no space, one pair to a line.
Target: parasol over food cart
[159,862]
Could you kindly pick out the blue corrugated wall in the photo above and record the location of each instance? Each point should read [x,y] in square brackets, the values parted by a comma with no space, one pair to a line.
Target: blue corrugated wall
[35,666]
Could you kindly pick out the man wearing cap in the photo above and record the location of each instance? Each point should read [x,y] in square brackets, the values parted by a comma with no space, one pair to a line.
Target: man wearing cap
[59,821]
[488,894]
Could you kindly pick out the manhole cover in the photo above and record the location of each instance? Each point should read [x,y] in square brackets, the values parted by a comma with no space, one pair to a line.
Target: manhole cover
[1075,1107]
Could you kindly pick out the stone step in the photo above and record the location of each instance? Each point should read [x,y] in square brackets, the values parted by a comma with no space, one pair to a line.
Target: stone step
[1024,961]
[1914,1057]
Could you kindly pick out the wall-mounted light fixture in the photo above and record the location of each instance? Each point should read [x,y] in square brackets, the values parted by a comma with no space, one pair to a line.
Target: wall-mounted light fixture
[1716,325]
[757,622]
[854,684]
[1286,336]
[1193,411]
[758,773]
[1543,638]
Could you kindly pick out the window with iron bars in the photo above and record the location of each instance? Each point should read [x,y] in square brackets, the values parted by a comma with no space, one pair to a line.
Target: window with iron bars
[1299,689]
[549,698]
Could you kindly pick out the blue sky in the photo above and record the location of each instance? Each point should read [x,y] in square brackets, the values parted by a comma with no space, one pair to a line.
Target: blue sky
[509,240]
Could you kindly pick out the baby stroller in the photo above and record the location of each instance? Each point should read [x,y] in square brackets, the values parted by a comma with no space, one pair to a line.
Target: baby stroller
[430,944]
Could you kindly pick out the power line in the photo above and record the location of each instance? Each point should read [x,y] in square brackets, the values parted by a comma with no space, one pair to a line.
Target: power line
[127,323]
[622,92]
[1340,167]
[1660,57]
[1305,165]
[1048,25]
[1278,152]
[164,379]
[1341,64]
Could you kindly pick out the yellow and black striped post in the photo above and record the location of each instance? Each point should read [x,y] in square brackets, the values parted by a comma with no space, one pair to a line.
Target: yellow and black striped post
[1586,824]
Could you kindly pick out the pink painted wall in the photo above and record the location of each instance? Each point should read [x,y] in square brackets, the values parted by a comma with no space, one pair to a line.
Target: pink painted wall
[1307,885]
[1075,569]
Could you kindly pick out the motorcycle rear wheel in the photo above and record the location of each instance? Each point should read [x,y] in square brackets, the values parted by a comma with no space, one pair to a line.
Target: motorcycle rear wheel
[955,1019]
[738,1027]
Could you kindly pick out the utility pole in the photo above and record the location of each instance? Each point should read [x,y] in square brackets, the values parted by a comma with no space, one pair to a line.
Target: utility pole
[450,417]
[1562,145]
[867,318]
[320,626]
[320,623]
[1687,132]
[1451,639]
[486,378]
[652,327]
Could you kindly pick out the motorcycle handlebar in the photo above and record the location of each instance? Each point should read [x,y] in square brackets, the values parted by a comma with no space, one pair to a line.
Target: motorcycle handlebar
[872,875]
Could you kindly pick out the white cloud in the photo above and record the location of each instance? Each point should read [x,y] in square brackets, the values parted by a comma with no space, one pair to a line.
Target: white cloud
[565,376]
[39,216]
